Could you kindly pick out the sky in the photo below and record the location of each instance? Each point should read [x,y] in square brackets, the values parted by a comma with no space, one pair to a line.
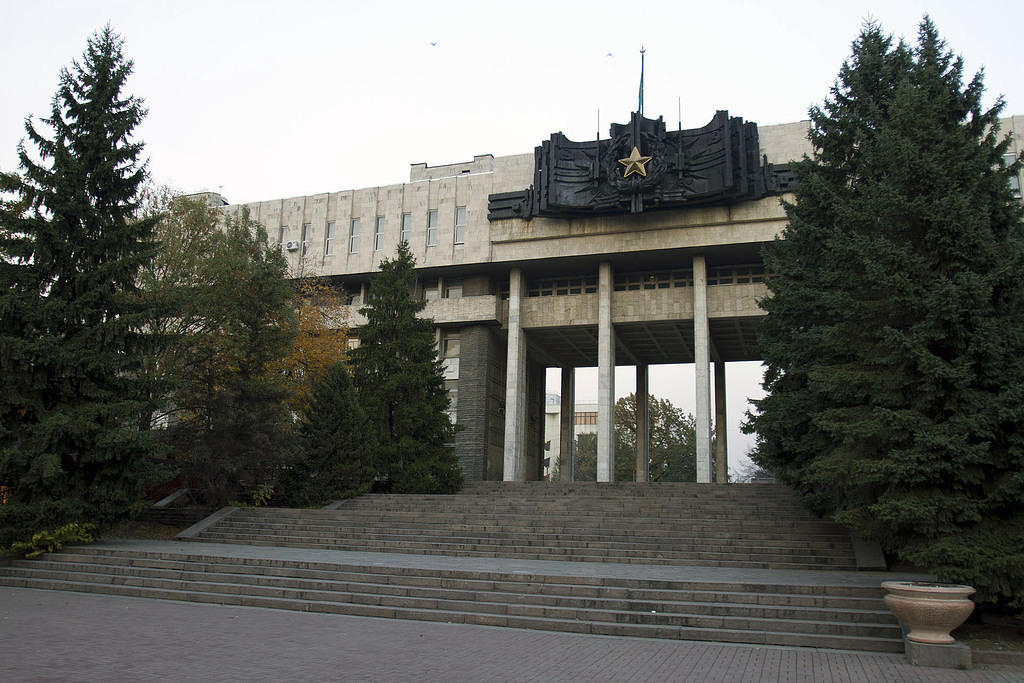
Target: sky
[260,100]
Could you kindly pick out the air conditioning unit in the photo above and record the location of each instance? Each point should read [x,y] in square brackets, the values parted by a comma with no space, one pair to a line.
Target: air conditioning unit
[291,245]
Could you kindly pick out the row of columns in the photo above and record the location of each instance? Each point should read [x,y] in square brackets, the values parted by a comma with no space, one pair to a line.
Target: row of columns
[515,389]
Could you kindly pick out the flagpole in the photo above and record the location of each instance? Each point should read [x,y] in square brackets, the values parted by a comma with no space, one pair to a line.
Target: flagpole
[640,107]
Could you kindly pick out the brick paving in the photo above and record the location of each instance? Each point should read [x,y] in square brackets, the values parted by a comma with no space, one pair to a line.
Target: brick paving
[63,636]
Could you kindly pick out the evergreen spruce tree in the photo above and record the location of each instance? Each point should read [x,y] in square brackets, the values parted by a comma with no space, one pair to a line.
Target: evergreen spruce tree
[71,400]
[232,428]
[894,340]
[400,381]
[336,459]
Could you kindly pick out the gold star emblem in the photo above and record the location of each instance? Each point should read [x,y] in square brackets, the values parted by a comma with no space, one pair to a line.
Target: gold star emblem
[634,163]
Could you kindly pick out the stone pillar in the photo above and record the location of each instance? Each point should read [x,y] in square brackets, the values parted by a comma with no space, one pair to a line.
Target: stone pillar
[476,410]
[702,361]
[567,431]
[643,429]
[605,377]
[721,430]
[514,466]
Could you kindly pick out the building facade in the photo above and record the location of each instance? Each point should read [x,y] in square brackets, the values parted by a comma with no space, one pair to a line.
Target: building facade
[641,249]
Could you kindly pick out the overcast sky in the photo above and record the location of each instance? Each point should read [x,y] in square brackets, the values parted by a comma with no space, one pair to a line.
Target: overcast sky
[260,100]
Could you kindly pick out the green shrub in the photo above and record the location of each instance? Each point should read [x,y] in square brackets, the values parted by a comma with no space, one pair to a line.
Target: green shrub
[47,541]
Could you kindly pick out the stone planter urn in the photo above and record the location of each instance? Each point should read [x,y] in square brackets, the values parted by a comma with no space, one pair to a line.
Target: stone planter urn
[929,610]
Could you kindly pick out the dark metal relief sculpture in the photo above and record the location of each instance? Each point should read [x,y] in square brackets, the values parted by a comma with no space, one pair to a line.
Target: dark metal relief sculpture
[643,167]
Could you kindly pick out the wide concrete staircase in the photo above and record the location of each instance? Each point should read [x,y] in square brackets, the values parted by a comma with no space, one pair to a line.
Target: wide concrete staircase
[288,559]
[759,526]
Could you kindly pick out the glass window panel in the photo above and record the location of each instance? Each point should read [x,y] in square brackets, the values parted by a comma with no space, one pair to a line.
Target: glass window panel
[378,234]
[406,227]
[353,237]
[329,239]
[432,228]
[460,224]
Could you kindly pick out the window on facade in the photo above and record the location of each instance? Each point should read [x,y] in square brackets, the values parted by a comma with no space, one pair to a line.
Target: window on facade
[329,239]
[432,228]
[307,232]
[562,287]
[585,418]
[282,238]
[378,234]
[451,345]
[406,228]
[460,225]
[353,237]
[658,279]
[1014,179]
[736,275]
[452,288]
[453,399]
[430,291]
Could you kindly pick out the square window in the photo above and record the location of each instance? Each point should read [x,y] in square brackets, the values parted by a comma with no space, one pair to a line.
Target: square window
[430,292]
[451,345]
[453,288]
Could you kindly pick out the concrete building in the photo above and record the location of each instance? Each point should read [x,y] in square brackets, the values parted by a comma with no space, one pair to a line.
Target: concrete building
[584,421]
[659,262]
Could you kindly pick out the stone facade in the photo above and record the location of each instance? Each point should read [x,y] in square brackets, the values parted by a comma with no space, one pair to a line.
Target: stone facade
[595,290]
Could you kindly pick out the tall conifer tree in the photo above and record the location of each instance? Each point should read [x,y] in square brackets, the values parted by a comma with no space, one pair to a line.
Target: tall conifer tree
[71,444]
[335,462]
[232,429]
[894,340]
[400,381]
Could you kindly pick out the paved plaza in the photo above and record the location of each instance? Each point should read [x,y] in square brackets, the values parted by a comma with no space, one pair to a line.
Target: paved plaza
[64,636]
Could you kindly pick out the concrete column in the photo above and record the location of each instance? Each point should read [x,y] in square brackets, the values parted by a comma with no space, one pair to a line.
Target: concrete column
[514,466]
[721,438]
[702,360]
[643,428]
[567,431]
[605,376]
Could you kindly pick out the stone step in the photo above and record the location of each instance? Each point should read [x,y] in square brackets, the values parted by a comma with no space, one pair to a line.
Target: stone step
[574,626]
[567,554]
[496,530]
[201,555]
[627,489]
[555,543]
[499,603]
[556,522]
[637,600]
[619,524]
[582,506]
